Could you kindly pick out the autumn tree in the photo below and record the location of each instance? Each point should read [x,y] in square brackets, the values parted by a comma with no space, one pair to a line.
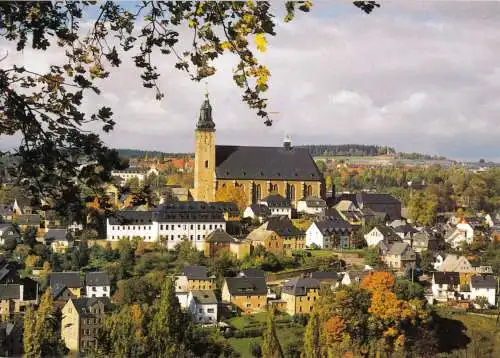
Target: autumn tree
[60,148]
[270,343]
[231,193]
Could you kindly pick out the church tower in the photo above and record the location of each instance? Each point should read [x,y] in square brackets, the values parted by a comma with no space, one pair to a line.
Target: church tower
[204,160]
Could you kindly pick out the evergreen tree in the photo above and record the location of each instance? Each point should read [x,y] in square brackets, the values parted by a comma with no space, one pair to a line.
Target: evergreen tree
[271,347]
[168,326]
[40,330]
[312,338]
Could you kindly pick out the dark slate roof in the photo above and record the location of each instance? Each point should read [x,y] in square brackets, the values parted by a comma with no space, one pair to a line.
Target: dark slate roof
[226,207]
[220,236]
[59,281]
[400,249]
[260,209]
[99,278]
[324,275]
[84,304]
[195,272]
[276,201]
[484,281]
[7,226]
[204,297]
[275,163]
[199,211]
[298,286]
[246,286]
[405,229]
[10,291]
[282,225]
[376,198]
[447,278]
[56,235]
[131,217]
[388,232]
[8,273]
[314,202]
[28,219]
[333,223]
[252,272]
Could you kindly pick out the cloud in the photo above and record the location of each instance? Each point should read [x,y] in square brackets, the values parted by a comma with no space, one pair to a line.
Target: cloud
[419,76]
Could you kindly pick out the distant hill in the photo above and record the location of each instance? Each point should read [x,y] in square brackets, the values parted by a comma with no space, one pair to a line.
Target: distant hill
[134,153]
[352,150]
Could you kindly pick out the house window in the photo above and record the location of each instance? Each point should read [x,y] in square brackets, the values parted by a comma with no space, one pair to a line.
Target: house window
[206,163]
[210,310]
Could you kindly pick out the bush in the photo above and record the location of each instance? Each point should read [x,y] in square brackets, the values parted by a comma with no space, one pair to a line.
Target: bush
[249,333]
[10,244]
[256,350]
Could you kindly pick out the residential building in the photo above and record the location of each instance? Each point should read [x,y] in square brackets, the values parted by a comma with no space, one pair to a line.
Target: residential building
[270,240]
[134,173]
[400,256]
[353,277]
[194,277]
[202,306]
[455,263]
[97,284]
[261,171]
[300,295]
[422,241]
[312,205]
[219,241]
[293,238]
[82,318]
[64,286]
[246,294]
[405,232]
[278,205]
[445,285]
[258,212]
[8,272]
[351,213]
[252,272]
[58,240]
[380,203]
[333,232]
[169,223]
[381,233]
[8,231]
[463,233]
[484,286]
[16,297]
[6,212]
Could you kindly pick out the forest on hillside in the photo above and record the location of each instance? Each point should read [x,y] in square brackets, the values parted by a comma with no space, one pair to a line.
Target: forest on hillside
[134,153]
[358,150]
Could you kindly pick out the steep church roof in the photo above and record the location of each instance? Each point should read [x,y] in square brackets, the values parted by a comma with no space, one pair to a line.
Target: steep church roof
[275,163]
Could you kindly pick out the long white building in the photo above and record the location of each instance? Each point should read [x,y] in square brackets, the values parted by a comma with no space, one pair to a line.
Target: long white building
[170,223]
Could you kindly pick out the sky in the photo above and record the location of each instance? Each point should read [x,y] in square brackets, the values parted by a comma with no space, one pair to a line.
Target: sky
[418,76]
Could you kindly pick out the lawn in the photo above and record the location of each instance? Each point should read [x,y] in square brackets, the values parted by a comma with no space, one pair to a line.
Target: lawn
[473,335]
[286,336]
[242,322]
[322,253]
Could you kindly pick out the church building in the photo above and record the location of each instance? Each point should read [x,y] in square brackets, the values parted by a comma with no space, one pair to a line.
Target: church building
[260,171]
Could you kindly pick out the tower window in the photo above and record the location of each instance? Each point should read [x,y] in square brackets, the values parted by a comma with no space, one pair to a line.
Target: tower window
[206,163]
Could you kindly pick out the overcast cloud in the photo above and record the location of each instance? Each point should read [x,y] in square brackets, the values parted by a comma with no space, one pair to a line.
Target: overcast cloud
[421,77]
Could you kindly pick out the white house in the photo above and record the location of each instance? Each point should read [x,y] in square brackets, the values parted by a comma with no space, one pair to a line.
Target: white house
[445,285]
[312,205]
[484,286]
[132,172]
[381,233]
[58,240]
[170,223]
[257,211]
[460,235]
[278,205]
[97,284]
[353,277]
[8,231]
[202,306]
[329,233]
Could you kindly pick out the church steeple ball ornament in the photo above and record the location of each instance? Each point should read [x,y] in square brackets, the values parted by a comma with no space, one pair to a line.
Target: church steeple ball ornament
[205,121]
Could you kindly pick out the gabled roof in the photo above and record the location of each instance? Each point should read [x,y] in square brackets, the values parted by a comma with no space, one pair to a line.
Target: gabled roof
[405,229]
[246,286]
[325,275]
[7,227]
[282,225]
[204,297]
[28,219]
[345,205]
[447,278]
[451,263]
[400,249]
[259,234]
[220,236]
[484,281]
[252,272]
[180,211]
[195,272]
[276,201]
[314,202]
[56,235]
[333,224]
[260,210]
[59,281]
[388,232]
[98,278]
[299,286]
[376,198]
[239,162]
[131,217]
[10,291]
[84,305]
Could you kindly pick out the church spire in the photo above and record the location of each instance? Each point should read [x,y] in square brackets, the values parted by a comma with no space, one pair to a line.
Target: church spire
[205,121]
